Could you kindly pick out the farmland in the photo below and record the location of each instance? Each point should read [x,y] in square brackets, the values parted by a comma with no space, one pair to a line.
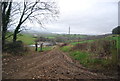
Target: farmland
[95,53]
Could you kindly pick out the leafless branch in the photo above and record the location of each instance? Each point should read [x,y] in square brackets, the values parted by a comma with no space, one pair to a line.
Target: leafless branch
[8,36]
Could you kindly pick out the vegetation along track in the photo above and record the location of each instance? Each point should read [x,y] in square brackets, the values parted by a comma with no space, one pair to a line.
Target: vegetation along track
[54,64]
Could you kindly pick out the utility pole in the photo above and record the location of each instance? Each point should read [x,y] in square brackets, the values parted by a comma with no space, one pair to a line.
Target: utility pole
[69,30]
[69,34]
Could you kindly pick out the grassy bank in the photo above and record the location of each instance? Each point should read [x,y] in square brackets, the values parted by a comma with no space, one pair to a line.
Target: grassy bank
[88,59]
[99,55]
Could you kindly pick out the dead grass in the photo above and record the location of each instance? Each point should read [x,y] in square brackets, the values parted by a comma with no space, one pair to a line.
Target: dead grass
[100,47]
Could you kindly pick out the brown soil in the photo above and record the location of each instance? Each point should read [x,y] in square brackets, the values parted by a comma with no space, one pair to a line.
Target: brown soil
[54,64]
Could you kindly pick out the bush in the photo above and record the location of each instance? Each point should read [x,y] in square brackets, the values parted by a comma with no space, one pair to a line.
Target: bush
[99,56]
[82,46]
[17,48]
[99,47]
[116,30]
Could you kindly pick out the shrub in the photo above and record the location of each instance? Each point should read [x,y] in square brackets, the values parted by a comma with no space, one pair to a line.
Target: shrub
[116,30]
[17,48]
[101,47]
[82,46]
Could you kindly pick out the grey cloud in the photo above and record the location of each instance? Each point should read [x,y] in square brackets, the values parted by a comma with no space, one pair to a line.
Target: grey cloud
[101,18]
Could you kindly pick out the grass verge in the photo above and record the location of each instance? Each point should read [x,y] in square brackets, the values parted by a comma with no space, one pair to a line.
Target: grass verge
[47,48]
[98,55]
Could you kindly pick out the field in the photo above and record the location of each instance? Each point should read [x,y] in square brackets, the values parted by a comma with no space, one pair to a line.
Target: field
[25,38]
[74,43]
[96,54]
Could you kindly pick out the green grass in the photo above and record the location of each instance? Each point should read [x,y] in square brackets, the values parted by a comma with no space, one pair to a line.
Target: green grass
[43,49]
[117,38]
[118,42]
[47,48]
[27,39]
[89,60]
[86,41]
[66,48]
[83,57]
[50,37]
[77,55]
[72,35]
[10,38]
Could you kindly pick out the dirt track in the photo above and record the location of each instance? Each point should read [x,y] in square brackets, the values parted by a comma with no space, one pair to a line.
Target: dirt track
[51,65]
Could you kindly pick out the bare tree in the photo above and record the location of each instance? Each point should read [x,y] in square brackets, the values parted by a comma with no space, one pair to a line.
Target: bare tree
[6,11]
[33,11]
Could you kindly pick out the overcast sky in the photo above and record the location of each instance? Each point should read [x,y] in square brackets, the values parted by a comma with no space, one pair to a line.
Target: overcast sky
[84,17]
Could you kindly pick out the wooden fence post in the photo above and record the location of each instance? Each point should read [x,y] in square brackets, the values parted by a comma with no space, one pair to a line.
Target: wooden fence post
[41,45]
[36,46]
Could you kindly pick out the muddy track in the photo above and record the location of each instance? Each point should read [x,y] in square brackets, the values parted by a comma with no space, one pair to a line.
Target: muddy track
[54,64]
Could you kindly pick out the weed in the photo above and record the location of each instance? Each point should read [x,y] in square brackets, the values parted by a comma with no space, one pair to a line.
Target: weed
[98,54]
[66,48]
